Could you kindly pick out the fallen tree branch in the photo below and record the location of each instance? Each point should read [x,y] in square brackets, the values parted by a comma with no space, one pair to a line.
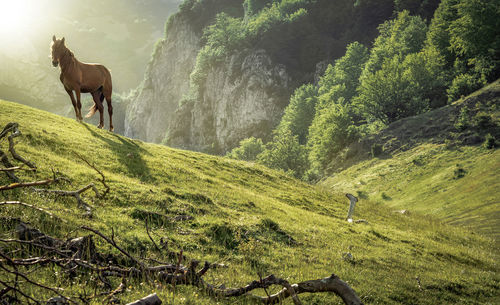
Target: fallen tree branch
[27,184]
[15,168]
[76,194]
[102,180]
[67,255]
[29,206]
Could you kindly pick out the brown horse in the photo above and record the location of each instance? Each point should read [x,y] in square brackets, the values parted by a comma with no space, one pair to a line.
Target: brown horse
[83,78]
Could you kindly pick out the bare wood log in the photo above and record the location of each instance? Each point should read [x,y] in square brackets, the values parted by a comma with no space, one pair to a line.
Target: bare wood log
[151,299]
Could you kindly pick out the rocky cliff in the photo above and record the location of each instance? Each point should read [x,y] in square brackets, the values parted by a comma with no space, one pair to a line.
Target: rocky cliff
[244,91]
[153,107]
[243,97]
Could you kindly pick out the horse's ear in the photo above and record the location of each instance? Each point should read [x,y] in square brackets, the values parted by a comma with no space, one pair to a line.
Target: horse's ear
[54,38]
[62,40]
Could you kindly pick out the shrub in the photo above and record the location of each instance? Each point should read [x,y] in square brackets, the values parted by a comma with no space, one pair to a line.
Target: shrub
[285,153]
[377,150]
[490,142]
[459,172]
[248,150]
[483,121]
[462,85]
[463,120]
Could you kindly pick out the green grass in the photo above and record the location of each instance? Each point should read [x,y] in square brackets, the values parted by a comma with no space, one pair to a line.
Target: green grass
[431,168]
[244,215]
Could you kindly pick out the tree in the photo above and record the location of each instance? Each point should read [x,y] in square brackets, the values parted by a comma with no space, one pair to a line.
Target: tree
[342,78]
[300,112]
[467,34]
[331,130]
[248,150]
[285,153]
[403,87]
[401,36]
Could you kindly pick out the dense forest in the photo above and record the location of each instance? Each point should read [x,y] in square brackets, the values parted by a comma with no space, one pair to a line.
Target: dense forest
[414,65]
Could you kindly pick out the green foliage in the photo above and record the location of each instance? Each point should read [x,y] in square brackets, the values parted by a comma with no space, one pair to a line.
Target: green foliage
[248,150]
[331,130]
[342,78]
[404,86]
[252,7]
[377,150]
[222,37]
[398,37]
[459,172]
[462,85]
[285,153]
[463,119]
[490,142]
[389,95]
[300,112]
[467,33]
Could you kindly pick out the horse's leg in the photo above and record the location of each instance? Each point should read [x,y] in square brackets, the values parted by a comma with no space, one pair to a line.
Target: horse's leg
[98,102]
[110,109]
[70,93]
[78,104]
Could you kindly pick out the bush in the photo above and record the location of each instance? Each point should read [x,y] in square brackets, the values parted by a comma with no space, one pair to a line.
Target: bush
[490,142]
[463,120]
[463,85]
[285,153]
[332,130]
[377,150]
[248,150]
[483,121]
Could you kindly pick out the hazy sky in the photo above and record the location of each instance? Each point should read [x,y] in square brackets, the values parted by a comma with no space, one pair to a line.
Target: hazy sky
[117,33]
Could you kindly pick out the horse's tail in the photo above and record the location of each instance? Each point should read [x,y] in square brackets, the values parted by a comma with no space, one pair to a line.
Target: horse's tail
[92,111]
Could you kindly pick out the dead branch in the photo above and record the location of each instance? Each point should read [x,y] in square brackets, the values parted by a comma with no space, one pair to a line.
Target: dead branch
[13,129]
[29,206]
[15,168]
[76,194]
[27,184]
[102,180]
[113,243]
[68,256]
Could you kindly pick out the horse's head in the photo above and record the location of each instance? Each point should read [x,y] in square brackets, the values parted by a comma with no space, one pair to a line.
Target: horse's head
[58,48]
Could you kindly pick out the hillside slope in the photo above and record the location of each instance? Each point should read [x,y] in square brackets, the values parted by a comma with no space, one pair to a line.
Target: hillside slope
[248,217]
[434,163]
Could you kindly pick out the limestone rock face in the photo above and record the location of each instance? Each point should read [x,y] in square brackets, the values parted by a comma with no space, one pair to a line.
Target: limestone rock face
[243,97]
[166,80]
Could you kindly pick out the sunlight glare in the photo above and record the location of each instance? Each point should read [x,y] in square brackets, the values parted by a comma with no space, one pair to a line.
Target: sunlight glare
[16,16]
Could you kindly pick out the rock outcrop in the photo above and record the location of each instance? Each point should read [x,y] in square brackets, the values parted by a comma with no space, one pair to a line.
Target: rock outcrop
[243,97]
[153,107]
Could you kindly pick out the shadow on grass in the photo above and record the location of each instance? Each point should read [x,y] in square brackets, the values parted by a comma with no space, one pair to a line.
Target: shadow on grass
[129,155]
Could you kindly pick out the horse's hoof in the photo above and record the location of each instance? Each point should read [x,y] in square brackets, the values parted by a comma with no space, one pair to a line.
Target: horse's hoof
[111,129]
[99,126]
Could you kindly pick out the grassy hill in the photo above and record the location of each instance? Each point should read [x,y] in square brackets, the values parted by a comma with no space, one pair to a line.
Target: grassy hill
[250,218]
[435,164]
